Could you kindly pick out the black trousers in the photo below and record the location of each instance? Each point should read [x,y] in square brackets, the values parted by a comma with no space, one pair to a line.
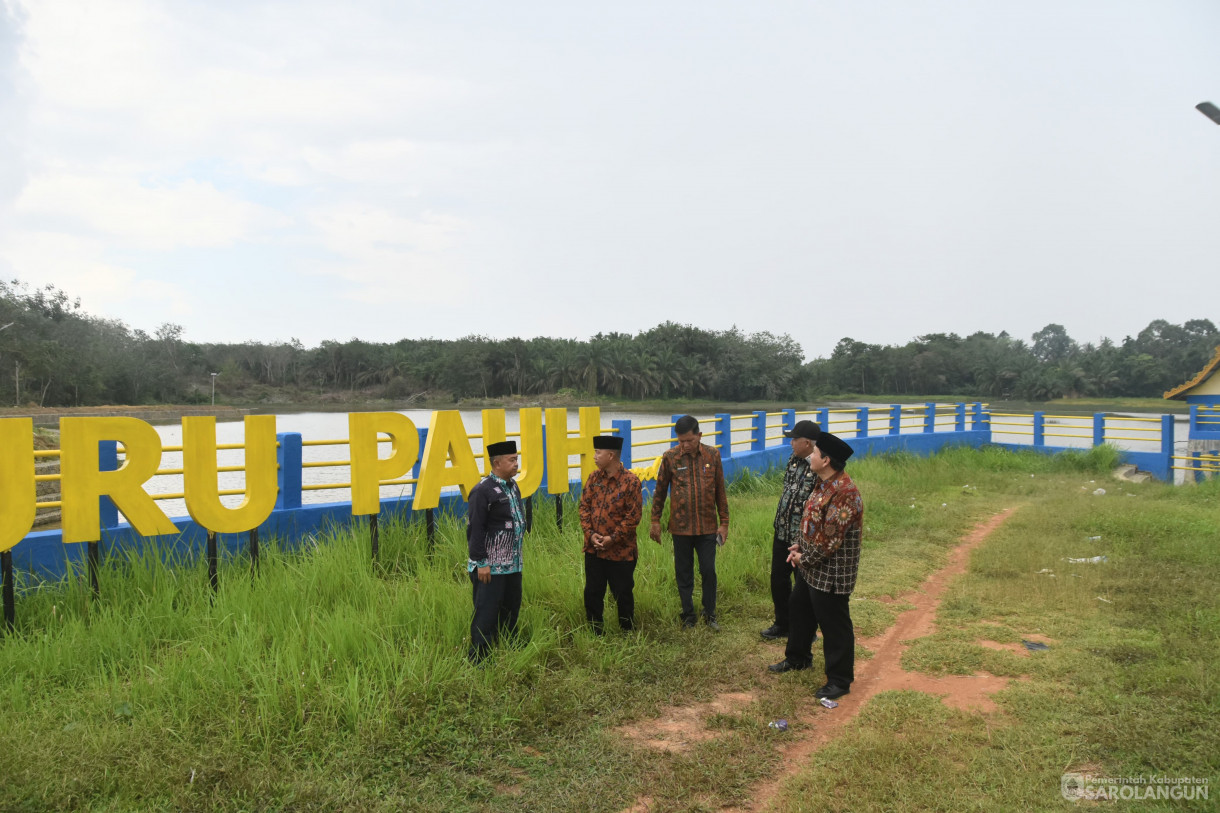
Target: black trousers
[781,581]
[621,578]
[496,607]
[810,609]
[685,549]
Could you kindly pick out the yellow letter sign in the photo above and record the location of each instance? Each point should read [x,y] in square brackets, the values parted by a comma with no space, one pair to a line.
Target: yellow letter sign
[201,479]
[559,446]
[447,441]
[82,484]
[369,470]
[17,489]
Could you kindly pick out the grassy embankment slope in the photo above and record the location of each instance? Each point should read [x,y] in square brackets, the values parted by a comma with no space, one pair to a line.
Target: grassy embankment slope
[327,683]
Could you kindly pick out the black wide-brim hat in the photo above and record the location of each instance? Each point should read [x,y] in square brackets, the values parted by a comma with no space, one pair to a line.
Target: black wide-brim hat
[834,446]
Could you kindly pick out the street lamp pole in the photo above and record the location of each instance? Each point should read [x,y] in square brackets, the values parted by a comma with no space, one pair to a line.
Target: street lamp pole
[213,387]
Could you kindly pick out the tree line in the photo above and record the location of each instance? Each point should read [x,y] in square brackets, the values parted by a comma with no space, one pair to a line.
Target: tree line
[59,355]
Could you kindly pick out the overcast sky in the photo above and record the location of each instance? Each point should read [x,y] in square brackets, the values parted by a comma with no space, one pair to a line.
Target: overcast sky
[881,170]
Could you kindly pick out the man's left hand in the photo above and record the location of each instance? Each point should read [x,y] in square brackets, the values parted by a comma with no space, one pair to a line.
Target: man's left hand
[723,533]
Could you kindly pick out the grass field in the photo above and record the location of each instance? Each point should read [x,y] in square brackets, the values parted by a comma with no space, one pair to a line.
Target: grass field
[329,683]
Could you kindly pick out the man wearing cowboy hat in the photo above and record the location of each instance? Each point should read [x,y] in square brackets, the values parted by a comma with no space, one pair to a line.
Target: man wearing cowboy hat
[827,556]
[611,504]
[798,482]
[495,529]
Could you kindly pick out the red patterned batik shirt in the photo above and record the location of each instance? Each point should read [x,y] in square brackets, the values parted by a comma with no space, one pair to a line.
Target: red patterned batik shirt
[830,535]
[611,505]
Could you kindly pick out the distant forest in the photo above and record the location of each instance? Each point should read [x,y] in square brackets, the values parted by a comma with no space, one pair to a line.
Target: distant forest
[54,354]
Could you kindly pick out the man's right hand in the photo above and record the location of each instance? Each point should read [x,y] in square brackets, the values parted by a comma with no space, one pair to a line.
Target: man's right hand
[484,574]
[654,532]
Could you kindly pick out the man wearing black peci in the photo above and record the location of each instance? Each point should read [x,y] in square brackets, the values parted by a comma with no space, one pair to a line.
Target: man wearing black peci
[611,504]
[495,529]
[827,557]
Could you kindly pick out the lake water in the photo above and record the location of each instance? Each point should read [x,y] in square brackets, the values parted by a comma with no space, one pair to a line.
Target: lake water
[333,426]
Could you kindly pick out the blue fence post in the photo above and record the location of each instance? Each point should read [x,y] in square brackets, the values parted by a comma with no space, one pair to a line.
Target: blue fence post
[1099,428]
[759,436]
[788,420]
[288,456]
[1167,446]
[980,421]
[895,419]
[1039,431]
[824,418]
[862,422]
[419,460]
[1197,465]
[623,430]
[673,432]
[929,420]
[724,425]
[108,460]
[959,417]
[1194,420]
[546,468]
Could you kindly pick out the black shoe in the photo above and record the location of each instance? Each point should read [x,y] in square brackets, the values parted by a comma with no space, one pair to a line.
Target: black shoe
[831,692]
[712,625]
[787,666]
[774,632]
[688,623]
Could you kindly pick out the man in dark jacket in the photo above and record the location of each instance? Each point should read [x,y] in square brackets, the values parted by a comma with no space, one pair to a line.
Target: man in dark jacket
[495,528]
[798,482]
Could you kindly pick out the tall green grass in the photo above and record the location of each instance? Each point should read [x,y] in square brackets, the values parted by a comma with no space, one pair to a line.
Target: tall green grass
[330,681]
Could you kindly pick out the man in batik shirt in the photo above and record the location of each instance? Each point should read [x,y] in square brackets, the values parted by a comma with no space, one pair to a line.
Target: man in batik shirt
[798,482]
[692,476]
[495,530]
[827,558]
[611,504]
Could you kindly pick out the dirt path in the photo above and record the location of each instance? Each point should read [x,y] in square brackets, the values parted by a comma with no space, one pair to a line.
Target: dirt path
[814,725]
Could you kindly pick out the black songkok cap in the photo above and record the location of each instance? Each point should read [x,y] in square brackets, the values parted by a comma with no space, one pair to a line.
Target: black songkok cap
[833,446]
[804,429]
[503,447]
[612,442]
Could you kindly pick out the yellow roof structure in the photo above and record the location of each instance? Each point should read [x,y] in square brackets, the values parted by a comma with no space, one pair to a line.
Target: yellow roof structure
[1202,376]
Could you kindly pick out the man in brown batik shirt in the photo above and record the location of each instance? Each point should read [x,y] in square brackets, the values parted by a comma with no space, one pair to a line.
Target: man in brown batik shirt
[692,476]
[611,504]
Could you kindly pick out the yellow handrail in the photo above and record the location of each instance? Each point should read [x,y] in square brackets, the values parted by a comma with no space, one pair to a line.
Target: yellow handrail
[652,442]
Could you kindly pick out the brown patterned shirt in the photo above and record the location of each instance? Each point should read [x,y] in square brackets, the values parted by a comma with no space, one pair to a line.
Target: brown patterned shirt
[611,504]
[830,535]
[695,484]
